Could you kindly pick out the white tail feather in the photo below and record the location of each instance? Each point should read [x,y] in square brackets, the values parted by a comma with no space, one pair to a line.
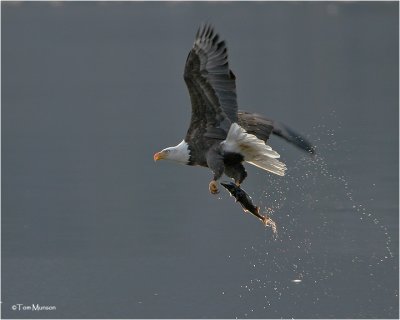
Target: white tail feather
[271,165]
[254,150]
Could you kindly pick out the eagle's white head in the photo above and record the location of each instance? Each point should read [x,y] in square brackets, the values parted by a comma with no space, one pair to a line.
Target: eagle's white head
[179,153]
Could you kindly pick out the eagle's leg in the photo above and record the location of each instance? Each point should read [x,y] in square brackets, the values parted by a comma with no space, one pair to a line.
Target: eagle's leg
[236,172]
[215,162]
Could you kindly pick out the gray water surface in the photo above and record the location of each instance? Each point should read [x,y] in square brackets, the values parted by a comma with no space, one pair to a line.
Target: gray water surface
[92,226]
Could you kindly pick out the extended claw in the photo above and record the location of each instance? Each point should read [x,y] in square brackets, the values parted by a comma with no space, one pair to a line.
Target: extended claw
[213,187]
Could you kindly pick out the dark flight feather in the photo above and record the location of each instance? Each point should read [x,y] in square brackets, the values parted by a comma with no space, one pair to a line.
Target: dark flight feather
[211,86]
[262,128]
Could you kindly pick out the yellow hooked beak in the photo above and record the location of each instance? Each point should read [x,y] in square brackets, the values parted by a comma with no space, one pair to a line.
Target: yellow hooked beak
[159,156]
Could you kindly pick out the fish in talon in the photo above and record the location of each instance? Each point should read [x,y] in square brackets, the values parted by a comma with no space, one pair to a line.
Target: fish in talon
[243,198]
[247,203]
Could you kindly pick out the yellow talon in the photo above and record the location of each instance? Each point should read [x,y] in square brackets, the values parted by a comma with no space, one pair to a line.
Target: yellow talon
[213,187]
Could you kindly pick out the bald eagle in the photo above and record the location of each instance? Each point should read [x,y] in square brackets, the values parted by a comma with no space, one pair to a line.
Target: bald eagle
[219,136]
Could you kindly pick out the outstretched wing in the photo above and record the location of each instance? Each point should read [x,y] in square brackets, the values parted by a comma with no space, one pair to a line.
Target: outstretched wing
[256,124]
[262,128]
[211,86]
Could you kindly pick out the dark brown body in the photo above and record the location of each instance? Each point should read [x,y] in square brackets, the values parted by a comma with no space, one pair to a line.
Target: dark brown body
[244,199]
